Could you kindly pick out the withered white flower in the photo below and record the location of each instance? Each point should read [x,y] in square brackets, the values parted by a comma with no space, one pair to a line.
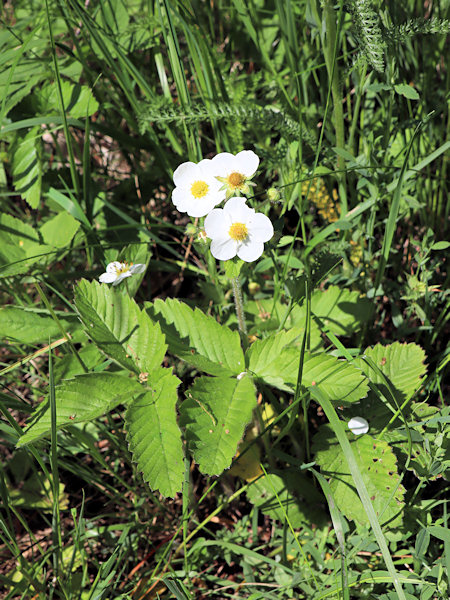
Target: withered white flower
[235,171]
[116,271]
[197,191]
[358,425]
[238,230]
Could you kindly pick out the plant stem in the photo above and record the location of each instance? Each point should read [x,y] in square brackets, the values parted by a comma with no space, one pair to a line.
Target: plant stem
[239,305]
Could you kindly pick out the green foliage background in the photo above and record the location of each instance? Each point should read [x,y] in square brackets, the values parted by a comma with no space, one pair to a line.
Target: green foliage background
[116,399]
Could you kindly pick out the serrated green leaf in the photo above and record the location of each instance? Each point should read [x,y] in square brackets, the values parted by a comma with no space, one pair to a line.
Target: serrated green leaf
[402,364]
[199,339]
[263,358]
[341,309]
[215,414]
[378,466]
[342,382]
[59,230]
[26,167]
[28,327]
[119,327]
[154,436]
[83,398]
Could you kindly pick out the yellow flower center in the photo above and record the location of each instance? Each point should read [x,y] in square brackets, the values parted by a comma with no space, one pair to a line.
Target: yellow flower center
[124,268]
[238,232]
[235,180]
[199,189]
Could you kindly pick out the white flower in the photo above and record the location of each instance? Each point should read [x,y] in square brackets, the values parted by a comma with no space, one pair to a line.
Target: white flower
[358,425]
[237,230]
[197,191]
[116,271]
[235,171]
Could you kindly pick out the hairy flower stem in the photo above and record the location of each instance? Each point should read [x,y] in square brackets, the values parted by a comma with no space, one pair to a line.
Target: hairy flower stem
[239,305]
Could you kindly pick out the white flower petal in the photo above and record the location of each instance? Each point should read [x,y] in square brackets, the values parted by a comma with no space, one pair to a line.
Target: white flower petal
[238,210]
[250,250]
[260,228]
[223,164]
[113,266]
[199,207]
[138,268]
[223,248]
[205,166]
[358,425]
[217,224]
[107,277]
[122,276]
[248,162]
[184,173]
[180,198]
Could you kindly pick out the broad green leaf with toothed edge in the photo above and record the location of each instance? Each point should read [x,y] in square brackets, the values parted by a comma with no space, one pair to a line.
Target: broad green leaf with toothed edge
[119,327]
[199,339]
[154,436]
[80,399]
[342,382]
[402,364]
[215,414]
[378,466]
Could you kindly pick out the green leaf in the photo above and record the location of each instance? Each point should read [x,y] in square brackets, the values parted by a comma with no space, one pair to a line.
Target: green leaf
[406,90]
[119,327]
[440,246]
[277,498]
[27,327]
[78,100]
[341,309]
[68,366]
[215,414]
[232,267]
[199,339]
[341,381]
[83,398]
[19,246]
[401,364]
[26,167]
[59,230]
[265,362]
[378,466]
[154,436]
[71,205]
